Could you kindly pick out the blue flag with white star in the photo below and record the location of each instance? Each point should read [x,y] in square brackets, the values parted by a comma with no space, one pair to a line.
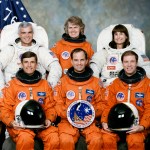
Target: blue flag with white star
[13,11]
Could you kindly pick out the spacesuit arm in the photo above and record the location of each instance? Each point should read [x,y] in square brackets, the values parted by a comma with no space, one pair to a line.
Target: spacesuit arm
[7,104]
[145,118]
[49,104]
[144,62]
[55,49]
[97,62]
[55,72]
[5,59]
[50,62]
[110,98]
[2,80]
[59,97]
[100,102]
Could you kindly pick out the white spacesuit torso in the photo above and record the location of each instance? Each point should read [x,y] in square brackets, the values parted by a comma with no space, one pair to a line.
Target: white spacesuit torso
[113,65]
[10,61]
[106,63]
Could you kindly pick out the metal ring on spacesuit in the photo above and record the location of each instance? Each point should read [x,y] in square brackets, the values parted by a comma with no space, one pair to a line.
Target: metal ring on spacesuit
[80,114]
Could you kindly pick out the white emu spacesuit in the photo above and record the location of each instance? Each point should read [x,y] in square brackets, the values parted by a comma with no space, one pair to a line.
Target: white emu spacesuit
[12,49]
[106,62]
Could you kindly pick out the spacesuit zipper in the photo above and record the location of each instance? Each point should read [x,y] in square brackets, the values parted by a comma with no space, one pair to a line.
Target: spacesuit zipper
[129,93]
[31,93]
[80,92]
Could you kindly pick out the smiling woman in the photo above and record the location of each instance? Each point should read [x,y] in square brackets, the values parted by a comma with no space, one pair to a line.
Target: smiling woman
[120,37]
[72,38]
[113,41]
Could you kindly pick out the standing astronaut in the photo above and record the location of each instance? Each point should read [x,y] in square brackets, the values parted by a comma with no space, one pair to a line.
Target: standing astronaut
[10,57]
[106,63]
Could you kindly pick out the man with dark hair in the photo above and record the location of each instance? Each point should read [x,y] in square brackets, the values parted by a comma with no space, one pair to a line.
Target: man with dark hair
[132,87]
[27,85]
[47,61]
[79,84]
[73,37]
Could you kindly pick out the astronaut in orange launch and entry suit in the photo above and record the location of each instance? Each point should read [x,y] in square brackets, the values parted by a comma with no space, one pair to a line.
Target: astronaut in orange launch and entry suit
[72,38]
[133,86]
[77,84]
[27,85]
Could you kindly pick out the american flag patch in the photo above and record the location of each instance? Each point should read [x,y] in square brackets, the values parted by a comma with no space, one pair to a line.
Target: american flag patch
[145,58]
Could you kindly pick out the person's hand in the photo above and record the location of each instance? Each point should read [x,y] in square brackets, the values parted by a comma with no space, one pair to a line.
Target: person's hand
[136,129]
[47,123]
[105,127]
[16,125]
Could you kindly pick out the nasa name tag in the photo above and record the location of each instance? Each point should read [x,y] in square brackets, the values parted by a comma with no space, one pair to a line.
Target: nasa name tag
[80,114]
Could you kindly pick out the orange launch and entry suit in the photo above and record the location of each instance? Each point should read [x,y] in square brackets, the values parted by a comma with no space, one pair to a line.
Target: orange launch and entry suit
[137,94]
[68,91]
[17,91]
[63,49]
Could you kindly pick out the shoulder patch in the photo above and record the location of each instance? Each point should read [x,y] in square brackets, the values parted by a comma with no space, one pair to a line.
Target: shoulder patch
[59,82]
[145,58]
[54,45]
[65,55]
[7,85]
[52,54]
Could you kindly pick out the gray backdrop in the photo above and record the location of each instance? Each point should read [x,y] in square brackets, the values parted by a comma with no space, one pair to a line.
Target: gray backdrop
[96,14]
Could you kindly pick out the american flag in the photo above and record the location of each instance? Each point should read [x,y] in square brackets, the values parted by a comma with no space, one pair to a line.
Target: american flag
[12,11]
[86,119]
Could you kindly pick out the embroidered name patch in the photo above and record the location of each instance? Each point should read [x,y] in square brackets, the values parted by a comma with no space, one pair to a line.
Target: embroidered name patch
[139,95]
[41,93]
[91,92]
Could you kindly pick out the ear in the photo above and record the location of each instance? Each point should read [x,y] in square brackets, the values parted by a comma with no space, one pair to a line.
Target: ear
[71,62]
[87,61]
[36,65]
[21,65]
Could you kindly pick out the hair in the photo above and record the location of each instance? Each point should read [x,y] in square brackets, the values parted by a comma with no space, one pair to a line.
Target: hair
[24,25]
[129,53]
[75,20]
[28,54]
[76,50]
[119,28]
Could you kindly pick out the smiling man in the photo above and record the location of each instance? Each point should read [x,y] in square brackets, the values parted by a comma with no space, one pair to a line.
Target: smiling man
[10,57]
[78,84]
[133,87]
[28,85]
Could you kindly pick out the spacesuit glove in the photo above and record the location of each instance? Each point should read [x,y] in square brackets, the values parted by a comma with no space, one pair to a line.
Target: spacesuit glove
[16,125]
[47,123]
[105,127]
[135,129]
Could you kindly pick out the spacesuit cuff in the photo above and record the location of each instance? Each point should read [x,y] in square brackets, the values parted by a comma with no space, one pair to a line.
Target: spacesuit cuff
[144,125]
[51,118]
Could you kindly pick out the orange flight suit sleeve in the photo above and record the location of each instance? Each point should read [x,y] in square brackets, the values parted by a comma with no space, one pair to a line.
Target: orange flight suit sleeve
[110,99]
[7,105]
[56,48]
[49,104]
[99,103]
[145,118]
[59,97]
[90,51]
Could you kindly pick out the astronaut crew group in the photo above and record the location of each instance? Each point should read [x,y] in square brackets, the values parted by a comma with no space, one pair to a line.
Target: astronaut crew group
[75,73]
